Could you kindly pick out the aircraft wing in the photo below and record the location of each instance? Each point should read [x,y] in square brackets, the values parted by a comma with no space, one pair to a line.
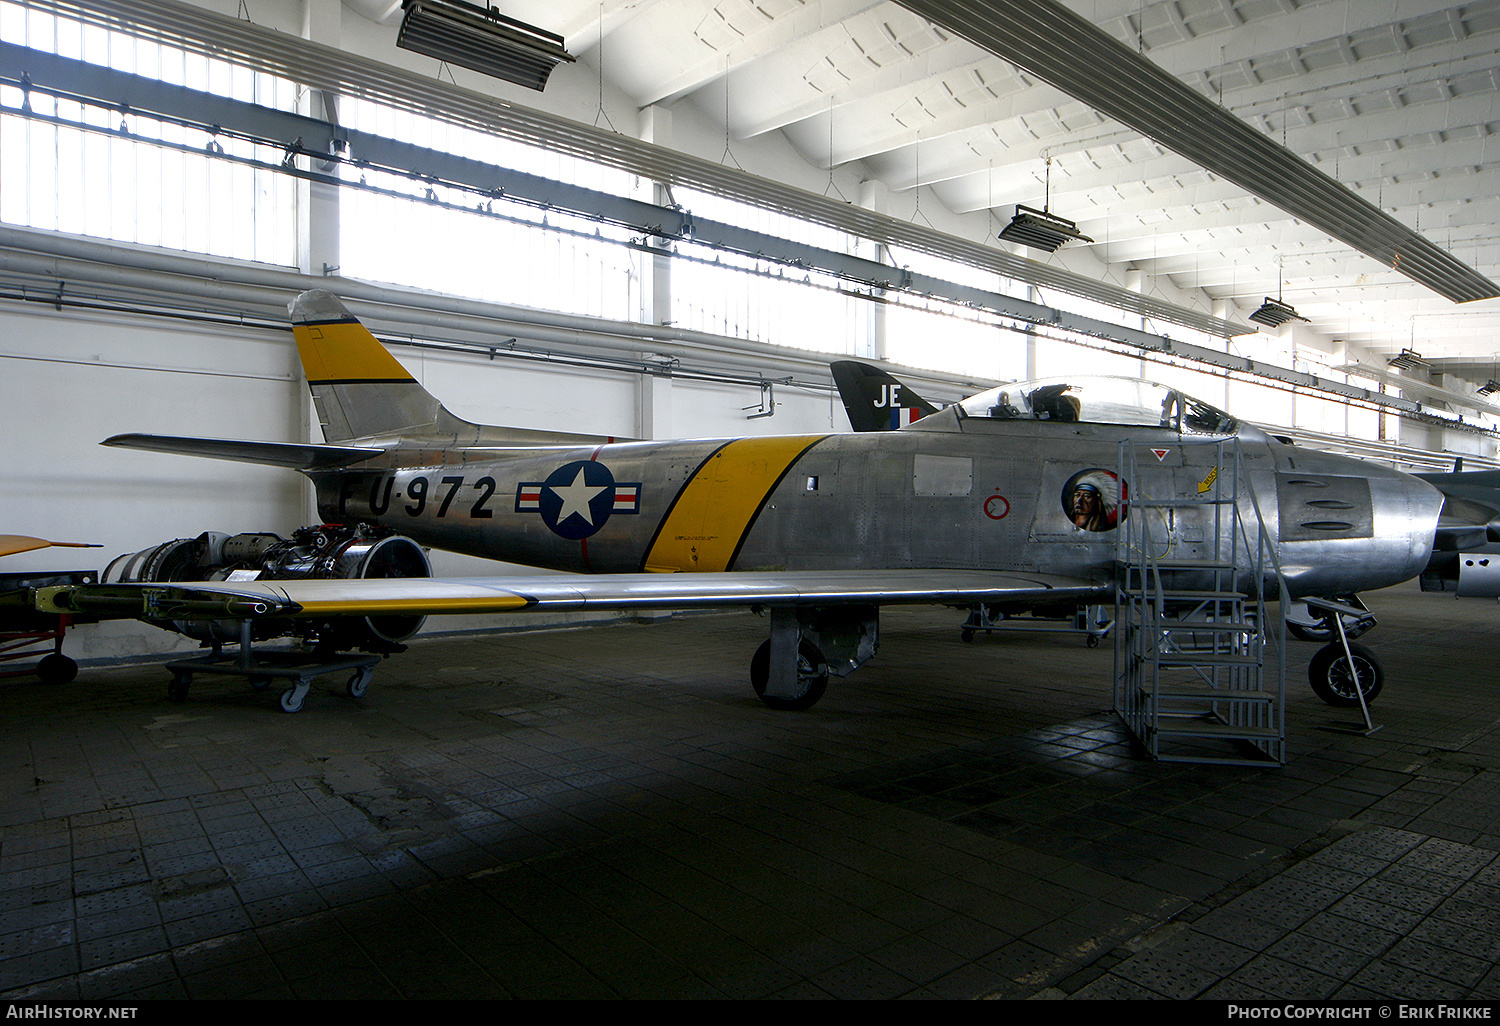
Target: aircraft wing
[563,593]
[10,544]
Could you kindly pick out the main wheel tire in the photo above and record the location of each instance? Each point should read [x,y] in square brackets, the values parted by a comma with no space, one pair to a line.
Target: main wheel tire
[812,675]
[56,669]
[1333,682]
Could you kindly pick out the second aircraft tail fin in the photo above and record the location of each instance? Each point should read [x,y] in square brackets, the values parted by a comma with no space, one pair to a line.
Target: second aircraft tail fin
[875,400]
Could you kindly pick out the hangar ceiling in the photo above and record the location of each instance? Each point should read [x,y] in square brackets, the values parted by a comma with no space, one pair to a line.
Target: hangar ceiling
[1395,99]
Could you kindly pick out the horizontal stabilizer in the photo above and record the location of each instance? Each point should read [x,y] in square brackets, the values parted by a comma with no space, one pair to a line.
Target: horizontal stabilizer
[292,455]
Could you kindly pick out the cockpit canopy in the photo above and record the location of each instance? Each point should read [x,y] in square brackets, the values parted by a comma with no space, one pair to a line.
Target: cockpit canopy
[1100,400]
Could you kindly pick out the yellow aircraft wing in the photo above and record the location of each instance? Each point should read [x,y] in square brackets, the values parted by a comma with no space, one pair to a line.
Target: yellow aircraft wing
[561,593]
[10,544]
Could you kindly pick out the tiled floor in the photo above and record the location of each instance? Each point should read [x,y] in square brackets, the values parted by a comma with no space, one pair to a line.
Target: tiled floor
[610,813]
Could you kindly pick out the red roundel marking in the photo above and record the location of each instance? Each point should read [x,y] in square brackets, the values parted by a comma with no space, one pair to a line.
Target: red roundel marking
[996,507]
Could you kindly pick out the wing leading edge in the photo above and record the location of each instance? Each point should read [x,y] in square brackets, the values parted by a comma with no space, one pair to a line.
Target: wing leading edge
[565,593]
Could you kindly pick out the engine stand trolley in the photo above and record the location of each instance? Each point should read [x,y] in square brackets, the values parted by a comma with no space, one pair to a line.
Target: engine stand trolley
[261,668]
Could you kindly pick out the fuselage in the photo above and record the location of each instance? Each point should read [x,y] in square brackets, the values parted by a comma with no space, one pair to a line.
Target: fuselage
[952,491]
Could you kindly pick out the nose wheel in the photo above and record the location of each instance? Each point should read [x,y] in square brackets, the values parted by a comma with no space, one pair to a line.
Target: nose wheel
[1337,683]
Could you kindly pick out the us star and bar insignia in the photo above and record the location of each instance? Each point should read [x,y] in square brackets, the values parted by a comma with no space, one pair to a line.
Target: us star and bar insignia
[577,499]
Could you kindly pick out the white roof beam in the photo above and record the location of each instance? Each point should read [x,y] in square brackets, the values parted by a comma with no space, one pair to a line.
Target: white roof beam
[808,19]
[892,80]
[1391,149]
[1320,90]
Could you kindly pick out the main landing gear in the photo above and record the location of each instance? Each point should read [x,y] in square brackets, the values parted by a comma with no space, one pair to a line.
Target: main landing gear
[790,671]
[812,677]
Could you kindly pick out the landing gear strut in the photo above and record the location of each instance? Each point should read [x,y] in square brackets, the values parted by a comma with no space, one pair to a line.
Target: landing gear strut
[1313,619]
[1346,679]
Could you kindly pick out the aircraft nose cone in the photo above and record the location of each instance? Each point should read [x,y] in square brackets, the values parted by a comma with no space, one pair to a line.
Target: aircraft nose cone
[1349,526]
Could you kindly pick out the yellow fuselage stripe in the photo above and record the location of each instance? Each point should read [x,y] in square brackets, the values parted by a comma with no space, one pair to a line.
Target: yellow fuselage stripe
[345,352]
[715,509]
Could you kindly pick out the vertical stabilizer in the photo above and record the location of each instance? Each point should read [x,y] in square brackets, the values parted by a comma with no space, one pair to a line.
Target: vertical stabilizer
[875,400]
[359,388]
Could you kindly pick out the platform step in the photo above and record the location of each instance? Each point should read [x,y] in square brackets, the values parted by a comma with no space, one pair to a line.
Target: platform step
[1188,693]
[1178,563]
[1209,728]
[1172,623]
[1182,500]
[1180,596]
[1187,660]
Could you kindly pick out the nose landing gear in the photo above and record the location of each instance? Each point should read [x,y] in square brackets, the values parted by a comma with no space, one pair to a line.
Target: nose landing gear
[1337,683]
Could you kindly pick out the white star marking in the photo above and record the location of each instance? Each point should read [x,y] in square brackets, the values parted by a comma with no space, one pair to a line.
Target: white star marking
[575,498]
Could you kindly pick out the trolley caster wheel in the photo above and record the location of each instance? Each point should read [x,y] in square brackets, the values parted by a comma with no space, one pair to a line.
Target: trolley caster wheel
[359,683]
[292,698]
[965,634]
[1092,641]
[177,690]
[260,683]
[56,669]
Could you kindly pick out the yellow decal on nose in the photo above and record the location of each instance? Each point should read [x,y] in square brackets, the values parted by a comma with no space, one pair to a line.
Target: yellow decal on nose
[713,513]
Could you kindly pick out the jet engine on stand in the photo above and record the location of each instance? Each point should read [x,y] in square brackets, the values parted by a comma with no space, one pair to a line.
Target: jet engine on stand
[326,552]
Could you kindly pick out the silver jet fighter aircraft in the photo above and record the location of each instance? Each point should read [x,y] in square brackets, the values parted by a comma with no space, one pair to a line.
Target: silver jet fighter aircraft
[1015,496]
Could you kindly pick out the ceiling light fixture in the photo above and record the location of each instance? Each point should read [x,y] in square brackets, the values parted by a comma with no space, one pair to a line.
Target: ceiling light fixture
[1409,359]
[1490,387]
[481,39]
[1273,313]
[1040,230]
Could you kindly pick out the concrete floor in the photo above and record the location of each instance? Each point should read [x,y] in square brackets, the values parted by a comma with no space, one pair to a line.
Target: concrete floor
[610,812]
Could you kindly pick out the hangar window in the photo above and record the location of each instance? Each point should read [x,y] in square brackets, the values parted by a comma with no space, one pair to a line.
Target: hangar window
[734,294]
[403,229]
[921,332]
[105,173]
